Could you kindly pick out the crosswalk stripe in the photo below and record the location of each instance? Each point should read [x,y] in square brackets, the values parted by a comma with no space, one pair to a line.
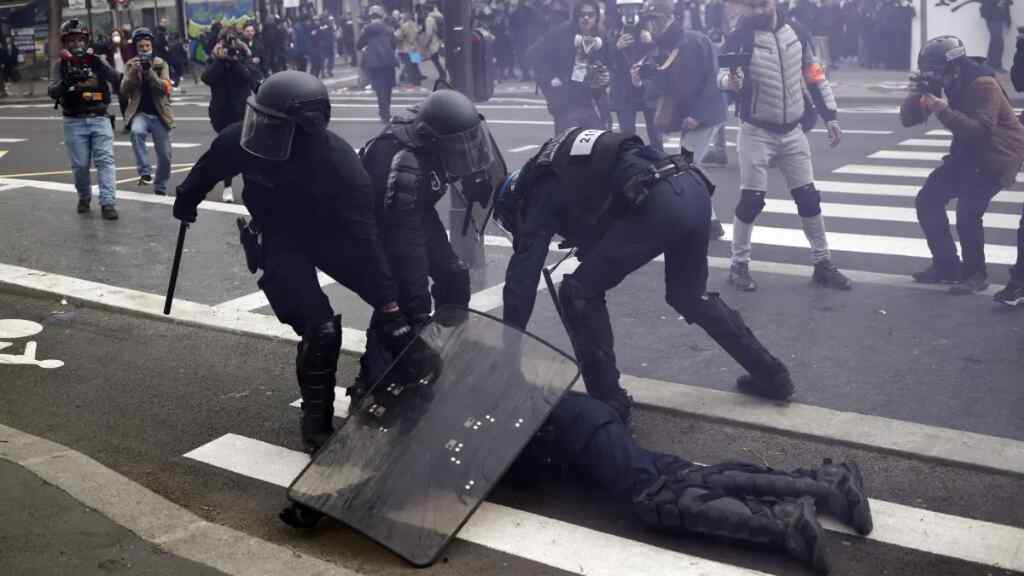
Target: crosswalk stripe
[509,530]
[899,190]
[913,528]
[885,213]
[927,142]
[150,144]
[866,243]
[341,403]
[12,140]
[938,133]
[523,148]
[3,153]
[886,170]
[907,155]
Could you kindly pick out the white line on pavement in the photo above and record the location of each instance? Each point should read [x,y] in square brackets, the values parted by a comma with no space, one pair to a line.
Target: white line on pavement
[898,171]
[12,140]
[341,403]
[886,213]
[913,528]
[3,153]
[150,144]
[258,300]
[11,183]
[902,190]
[907,155]
[927,142]
[953,446]
[938,133]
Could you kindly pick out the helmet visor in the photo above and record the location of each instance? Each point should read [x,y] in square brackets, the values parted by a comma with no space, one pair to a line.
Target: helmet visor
[266,134]
[466,152]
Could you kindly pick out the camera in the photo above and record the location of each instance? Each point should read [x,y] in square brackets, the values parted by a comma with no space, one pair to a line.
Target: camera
[924,84]
[78,73]
[231,45]
[146,61]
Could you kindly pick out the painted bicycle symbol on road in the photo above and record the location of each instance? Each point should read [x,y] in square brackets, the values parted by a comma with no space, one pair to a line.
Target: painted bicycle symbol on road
[12,329]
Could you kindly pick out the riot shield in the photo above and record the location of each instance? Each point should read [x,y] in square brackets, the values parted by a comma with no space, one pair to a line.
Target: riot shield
[414,459]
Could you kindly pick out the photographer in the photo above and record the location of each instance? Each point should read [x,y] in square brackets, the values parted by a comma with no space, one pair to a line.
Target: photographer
[987,151]
[1013,293]
[633,47]
[80,83]
[569,63]
[147,86]
[231,78]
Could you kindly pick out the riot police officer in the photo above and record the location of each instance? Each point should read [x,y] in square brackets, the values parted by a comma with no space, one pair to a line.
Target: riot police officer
[444,144]
[621,204]
[312,204]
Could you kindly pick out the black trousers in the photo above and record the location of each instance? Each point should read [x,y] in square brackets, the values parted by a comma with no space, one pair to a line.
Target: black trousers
[973,190]
[674,220]
[289,277]
[1017,272]
[382,80]
[995,43]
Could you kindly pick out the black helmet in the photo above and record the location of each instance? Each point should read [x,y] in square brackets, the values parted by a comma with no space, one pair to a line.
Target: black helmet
[285,100]
[73,26]
[448,122]
[938,53]
[140,34]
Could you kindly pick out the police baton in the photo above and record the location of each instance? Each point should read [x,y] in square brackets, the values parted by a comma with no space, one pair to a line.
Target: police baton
[174,268]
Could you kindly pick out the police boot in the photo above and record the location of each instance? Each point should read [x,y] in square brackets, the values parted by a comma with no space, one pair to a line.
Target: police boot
[315,366]
[837,489]
[789,525]
[768,376]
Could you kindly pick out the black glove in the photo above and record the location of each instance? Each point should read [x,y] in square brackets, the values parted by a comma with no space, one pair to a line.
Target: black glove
[419,363]
[183,209]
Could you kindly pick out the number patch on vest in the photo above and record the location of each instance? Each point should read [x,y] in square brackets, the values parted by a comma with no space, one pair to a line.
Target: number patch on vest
[584,142]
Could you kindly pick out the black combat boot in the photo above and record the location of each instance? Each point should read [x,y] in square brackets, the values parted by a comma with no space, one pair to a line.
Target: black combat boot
[768,376]
[315,366]
[789,524]
[837,489]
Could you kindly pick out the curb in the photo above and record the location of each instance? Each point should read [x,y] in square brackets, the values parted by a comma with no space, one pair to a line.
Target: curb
[154,518]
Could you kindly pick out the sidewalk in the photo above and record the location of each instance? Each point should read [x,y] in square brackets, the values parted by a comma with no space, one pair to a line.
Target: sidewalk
[852,84]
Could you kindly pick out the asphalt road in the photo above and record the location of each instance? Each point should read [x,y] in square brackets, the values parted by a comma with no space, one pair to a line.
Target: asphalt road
[139,395]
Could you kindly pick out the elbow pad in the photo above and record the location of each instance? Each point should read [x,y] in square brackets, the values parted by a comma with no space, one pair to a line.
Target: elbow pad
[404,181]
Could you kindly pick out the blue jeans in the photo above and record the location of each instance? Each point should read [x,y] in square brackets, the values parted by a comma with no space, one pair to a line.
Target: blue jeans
[143,124]
[91,140]
[627,125]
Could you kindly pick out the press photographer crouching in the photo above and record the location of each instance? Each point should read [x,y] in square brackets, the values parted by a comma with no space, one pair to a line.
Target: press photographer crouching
[80,85]
[986,153]
[147,86]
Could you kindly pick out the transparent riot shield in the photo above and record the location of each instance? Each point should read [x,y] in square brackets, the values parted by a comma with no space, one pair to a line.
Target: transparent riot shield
[414,460]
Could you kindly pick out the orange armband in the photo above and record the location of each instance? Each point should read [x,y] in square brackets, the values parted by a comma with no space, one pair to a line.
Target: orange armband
[814,73]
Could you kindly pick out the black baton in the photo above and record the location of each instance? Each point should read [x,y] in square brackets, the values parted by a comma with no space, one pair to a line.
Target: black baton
[174,268]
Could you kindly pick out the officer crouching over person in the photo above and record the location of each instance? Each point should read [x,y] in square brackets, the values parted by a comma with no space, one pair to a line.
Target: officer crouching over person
[80,84]
[985,156]
[312,205]
[443,145]
[622,204]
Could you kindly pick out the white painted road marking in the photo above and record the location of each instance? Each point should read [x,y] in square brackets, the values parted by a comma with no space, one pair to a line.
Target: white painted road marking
[943,444]
[524,148]
[258,300]
[938,133]
[899,190]
[12,140]
[885,213]
[907,155]
[150,144]
[932,532]
[341,403]
[897,171]
[927,142]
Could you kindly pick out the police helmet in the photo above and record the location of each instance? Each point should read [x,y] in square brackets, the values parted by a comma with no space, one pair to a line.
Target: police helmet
[141,33]
[448,122]
[939,53]
[286,100]
[73,27]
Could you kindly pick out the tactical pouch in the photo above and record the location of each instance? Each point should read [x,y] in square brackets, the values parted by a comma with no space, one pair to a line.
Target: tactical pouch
[249,236]
[638,187]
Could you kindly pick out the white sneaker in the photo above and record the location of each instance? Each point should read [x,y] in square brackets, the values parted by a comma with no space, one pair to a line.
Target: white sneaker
[227,196]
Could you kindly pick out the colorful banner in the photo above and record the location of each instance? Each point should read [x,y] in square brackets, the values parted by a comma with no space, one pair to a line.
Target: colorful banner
[199,15]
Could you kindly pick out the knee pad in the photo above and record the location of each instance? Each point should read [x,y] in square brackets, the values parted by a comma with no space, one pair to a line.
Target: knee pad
[319,349]
[452,287]
[751,204]
[572,299]
[808,200]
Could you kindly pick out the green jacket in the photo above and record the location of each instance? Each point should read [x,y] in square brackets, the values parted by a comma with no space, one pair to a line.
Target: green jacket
[158,82]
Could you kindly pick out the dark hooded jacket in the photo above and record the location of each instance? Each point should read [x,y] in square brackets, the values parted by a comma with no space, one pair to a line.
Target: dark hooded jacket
[553,56]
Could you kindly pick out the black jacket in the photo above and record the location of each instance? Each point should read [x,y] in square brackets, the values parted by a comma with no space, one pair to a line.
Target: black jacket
[88,98]
[379,40]
[321,191]
[553,56]
[230,82]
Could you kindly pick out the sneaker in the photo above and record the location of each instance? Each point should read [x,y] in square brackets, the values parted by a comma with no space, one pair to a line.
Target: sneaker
[227,195]
[109,212]
[826,274]
[974,283]
[936,275]
[83,205]
[739,276]
[160,192]
[145,180]
[773,387]
[716,229]
[1012,295]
